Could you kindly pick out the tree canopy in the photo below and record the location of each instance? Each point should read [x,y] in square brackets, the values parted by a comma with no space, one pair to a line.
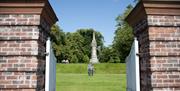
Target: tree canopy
[75,47]
[123,35]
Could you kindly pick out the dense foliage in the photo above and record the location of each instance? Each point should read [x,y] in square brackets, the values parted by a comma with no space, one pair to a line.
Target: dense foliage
[123,36]
[75,47]
[108,54]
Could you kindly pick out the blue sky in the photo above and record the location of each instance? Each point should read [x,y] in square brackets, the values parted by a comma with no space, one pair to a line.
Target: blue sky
[97,14]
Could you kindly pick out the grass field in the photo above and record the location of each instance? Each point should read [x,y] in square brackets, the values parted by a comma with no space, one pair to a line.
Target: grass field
[73,77]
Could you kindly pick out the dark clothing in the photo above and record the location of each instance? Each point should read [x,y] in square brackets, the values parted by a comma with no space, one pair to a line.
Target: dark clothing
[90,69]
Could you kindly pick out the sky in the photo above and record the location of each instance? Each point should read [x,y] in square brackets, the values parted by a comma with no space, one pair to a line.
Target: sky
[97,14]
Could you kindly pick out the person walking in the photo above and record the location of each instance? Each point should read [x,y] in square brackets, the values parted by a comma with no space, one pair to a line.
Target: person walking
[90,69]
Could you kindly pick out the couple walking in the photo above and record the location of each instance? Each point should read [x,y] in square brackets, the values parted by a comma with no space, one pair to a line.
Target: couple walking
[90,69]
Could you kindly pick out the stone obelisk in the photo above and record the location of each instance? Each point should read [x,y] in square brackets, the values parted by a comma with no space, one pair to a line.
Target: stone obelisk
[94,58]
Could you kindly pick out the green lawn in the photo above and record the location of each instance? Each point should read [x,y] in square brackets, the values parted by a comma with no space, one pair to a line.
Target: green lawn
[102,68]
[73,77]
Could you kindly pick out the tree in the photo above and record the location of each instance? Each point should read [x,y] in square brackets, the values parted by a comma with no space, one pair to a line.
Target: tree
[123,36]
[58,41]
[68,45]
[74,59]
[86,59]
[108,54]
[105,54]
[74,46]
[87,35]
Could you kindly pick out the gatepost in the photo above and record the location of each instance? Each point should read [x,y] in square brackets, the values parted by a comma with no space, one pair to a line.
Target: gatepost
[156,24]
[24,29]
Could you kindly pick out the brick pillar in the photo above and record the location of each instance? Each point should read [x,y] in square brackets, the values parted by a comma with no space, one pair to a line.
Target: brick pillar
[24,28]
[156,25]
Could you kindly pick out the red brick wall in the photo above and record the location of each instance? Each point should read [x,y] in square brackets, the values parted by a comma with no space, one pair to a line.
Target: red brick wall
[156,24]
[159,43]
[22,48]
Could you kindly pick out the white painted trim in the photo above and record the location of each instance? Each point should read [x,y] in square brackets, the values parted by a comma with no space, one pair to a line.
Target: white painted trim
[137,64]
[48,46]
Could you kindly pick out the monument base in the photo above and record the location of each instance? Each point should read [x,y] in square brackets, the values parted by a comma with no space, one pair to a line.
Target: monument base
[94,61]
